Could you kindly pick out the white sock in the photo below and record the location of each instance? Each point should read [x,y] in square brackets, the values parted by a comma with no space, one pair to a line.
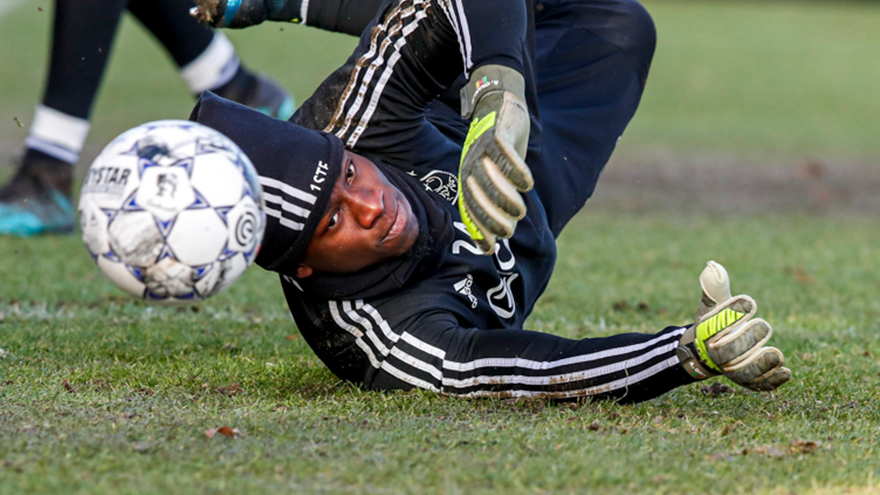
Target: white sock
[57,134]
[213,68]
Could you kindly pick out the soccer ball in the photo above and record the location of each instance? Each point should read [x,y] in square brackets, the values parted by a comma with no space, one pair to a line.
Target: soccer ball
[172,212]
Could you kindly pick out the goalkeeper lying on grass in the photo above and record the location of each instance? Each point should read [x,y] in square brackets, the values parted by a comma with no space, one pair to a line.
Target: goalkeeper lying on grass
[415,199]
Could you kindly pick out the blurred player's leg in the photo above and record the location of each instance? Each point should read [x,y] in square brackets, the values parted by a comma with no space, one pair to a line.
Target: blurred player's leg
[38,197]
[37,200]
[207,60]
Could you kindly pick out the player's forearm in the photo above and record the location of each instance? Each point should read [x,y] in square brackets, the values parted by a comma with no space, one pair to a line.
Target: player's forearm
[407,56]
[514,363]
[488,31]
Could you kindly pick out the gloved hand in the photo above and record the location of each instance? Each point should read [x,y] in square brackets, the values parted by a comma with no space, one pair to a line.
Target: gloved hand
[493,172]
[232,13]
[726,340]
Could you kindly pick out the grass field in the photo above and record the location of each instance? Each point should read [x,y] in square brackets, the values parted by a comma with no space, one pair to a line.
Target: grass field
[102,394]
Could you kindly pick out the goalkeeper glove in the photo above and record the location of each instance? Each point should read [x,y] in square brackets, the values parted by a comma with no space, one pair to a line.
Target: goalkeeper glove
[726,340]
[239,13]
[492,173]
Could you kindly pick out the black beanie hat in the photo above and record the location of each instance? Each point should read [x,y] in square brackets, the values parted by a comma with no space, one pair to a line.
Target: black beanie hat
[298,168]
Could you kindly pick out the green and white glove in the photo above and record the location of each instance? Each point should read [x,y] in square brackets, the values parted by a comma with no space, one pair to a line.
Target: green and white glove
[493,171]
[726,340]
[234,14]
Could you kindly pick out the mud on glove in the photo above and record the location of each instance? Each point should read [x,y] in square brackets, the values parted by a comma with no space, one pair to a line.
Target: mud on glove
[493,172]
[726,340]
[240,13]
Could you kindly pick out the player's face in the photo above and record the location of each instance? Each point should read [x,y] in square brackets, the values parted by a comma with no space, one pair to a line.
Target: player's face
[368,221]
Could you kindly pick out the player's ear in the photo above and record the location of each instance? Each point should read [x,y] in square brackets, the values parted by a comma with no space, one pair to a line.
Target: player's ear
[302,271]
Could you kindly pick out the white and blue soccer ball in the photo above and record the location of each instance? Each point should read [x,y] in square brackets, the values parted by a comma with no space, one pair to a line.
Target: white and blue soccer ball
[172,212]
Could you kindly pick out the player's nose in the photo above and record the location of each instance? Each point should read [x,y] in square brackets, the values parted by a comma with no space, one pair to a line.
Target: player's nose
[367,205]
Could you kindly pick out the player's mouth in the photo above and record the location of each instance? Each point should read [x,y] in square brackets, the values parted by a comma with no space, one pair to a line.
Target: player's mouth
[399,224]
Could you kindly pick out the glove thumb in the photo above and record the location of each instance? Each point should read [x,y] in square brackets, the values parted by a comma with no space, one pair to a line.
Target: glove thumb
[716,288]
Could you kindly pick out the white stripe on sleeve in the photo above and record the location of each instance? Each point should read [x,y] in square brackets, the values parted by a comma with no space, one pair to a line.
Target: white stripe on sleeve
[379,53]
[383,79]
[606,387]
[465,36]
[366,325]
[561,378]
[358,335]
[546,365]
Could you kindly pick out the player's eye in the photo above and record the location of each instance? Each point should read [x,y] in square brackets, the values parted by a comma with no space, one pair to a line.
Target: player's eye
[349,173]
[333,220]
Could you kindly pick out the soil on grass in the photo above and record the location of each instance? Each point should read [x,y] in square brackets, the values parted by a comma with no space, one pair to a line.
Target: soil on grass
[722,184]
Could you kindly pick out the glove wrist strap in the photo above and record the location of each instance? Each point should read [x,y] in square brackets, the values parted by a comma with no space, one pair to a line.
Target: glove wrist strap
[489,79]
[688,356]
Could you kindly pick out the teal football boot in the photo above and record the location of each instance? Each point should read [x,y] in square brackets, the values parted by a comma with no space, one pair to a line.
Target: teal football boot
[36,200]
[270,99]
[262,94]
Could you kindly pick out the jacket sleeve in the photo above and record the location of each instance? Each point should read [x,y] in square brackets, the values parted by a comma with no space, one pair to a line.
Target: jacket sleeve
[382,346]
[413,51]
